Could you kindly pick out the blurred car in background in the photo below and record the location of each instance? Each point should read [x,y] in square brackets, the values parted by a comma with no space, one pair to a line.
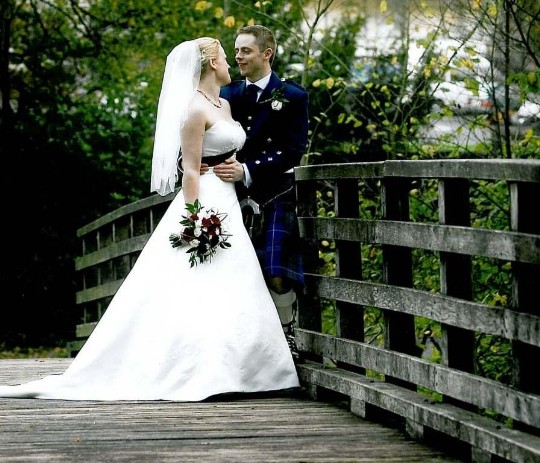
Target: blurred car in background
[529,112]
[472,96]
[455,96]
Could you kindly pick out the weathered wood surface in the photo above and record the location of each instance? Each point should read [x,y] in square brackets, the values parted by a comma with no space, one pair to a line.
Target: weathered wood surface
[424,230]
[280,427]
[450,310]
[522,170]
[446,238]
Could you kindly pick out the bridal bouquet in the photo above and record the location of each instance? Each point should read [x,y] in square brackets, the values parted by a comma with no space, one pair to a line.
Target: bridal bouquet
[203,231]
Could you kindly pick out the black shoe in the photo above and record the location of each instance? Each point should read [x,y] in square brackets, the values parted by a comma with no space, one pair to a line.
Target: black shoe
[289,336]
[292,347]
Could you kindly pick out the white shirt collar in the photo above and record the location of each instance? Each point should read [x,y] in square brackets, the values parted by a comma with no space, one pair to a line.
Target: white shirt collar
[261,83]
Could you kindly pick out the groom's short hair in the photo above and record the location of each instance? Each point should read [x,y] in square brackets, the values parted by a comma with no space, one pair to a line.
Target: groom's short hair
[264,36]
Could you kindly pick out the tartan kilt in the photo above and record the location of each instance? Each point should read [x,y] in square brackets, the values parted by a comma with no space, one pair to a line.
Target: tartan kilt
[279,246]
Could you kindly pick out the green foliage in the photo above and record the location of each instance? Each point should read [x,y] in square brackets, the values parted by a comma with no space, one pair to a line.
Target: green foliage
[373,326]
[33,352]
[493,358]
[328,308]
[326,76]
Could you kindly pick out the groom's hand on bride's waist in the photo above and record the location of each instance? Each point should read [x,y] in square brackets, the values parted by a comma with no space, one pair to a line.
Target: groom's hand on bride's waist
[230,170]
[204,167]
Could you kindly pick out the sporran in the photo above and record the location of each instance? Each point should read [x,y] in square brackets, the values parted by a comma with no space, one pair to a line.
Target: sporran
[253,217]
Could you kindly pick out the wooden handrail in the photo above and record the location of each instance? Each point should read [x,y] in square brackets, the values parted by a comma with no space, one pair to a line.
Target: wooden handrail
[390,224]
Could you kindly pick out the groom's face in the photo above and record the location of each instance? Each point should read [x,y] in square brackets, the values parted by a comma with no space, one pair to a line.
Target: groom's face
[250,59]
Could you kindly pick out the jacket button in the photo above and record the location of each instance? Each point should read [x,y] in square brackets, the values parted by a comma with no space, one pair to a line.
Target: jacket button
[269,140]
[249,118]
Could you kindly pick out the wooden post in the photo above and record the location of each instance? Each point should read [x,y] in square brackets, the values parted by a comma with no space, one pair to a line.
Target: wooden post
[349,317]
[309,308]
[456,276]
[524,218]
[397,271]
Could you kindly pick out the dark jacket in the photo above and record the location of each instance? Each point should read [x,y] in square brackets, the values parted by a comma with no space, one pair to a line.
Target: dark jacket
[276,134]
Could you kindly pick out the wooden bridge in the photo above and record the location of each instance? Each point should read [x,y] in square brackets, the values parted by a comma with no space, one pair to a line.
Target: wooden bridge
[419,321]
[258,428]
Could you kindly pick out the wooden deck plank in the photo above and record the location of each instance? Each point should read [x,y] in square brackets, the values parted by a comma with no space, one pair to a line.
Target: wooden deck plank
[276,427]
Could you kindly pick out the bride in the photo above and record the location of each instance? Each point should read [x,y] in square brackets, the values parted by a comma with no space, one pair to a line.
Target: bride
[175,331]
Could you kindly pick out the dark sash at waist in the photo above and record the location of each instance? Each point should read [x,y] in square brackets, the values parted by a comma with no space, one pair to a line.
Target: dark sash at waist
[217,159]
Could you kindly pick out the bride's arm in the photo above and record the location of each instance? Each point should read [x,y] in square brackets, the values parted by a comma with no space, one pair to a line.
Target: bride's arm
[192,141]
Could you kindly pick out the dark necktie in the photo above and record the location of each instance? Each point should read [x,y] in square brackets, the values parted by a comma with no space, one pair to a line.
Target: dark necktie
[251,93]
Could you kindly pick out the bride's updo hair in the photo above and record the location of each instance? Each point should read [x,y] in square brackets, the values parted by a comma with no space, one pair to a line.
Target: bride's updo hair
[209,48]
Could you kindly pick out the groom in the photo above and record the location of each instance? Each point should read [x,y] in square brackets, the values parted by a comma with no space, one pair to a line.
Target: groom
[274,114]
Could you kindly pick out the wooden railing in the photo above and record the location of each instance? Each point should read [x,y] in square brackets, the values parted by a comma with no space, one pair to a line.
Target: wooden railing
[110,247]
[444,250]
[420,301]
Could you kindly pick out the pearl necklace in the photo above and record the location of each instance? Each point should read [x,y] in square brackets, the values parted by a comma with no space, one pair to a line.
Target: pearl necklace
[208,98]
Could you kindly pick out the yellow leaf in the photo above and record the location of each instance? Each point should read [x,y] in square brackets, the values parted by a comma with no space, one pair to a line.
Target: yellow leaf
[251,22]
[492,10]
[257,4]
[531,78]
[528,135]
[229,21]
[330,82]
[202,5]
[383,6]
[466,63]
[316,83]
[218,12]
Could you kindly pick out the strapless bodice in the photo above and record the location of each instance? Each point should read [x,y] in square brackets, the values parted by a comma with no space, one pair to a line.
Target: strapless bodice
[222,137]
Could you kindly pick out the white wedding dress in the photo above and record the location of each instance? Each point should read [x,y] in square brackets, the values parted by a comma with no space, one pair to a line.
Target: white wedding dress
[178,333]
